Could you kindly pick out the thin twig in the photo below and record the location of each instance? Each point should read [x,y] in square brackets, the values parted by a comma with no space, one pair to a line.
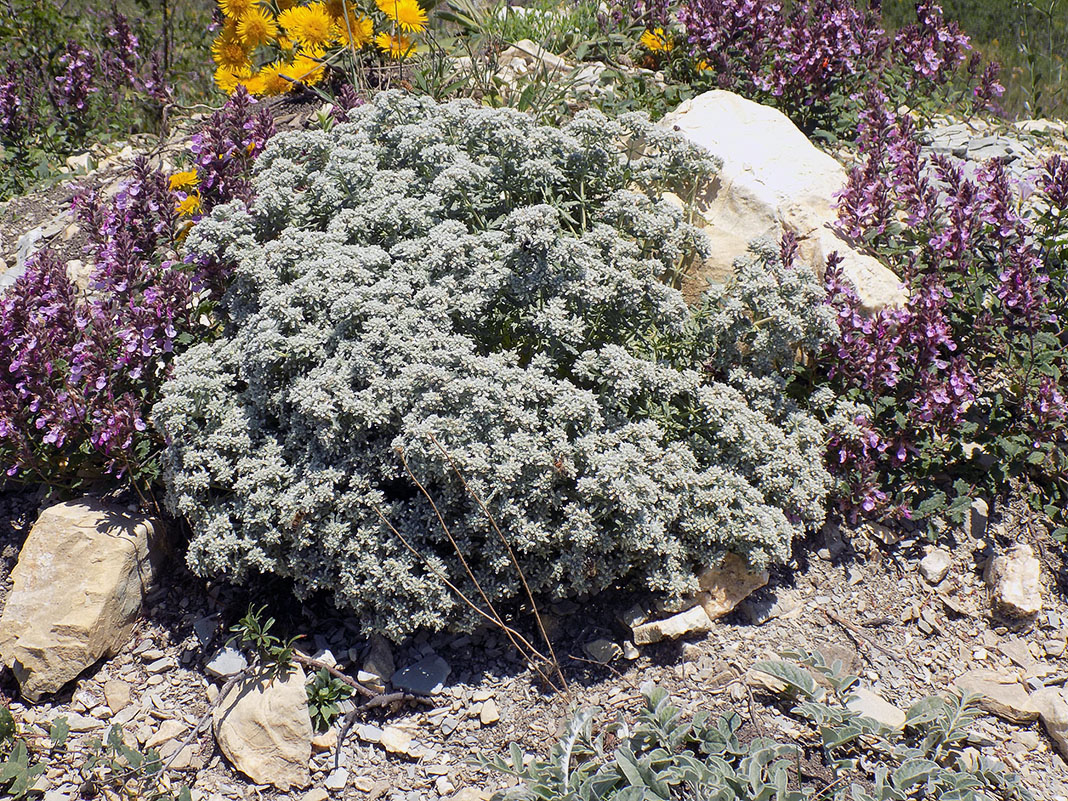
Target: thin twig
[307,661]
[441,577]
[511,555]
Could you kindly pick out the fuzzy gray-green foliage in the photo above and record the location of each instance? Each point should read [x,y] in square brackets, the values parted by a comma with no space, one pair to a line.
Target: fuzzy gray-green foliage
[461,273]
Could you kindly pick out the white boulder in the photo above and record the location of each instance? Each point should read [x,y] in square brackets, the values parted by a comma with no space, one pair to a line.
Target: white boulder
[773,180]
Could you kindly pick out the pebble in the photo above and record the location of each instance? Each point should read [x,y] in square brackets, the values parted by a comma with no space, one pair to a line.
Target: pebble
[161,665]
[337,779]
[227,661]
[489,714]
[316,794]
[396,741]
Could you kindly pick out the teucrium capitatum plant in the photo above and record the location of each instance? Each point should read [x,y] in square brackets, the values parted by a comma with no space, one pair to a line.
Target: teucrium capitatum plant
[461,275]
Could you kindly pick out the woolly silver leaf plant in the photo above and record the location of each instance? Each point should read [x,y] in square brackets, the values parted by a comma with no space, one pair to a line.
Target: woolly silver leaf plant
[461,274]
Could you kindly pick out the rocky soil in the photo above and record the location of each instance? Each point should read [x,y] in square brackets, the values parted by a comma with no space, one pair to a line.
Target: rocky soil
[910,620]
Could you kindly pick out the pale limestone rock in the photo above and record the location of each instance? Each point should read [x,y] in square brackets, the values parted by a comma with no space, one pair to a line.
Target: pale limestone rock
[1000,694]
[489,713]
[76,591]
[262,726]
[1014,579]
[378,666]
[772,180]
[117,694]
[1052,706]
[727,584]
[692,621]
[317,794]
[872,705]
[935,565]
[396,741]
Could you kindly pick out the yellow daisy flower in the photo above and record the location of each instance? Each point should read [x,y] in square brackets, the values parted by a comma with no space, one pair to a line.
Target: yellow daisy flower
[229,79]
[228,50]
[657,41]
[359,32]
[183,180]
[398,46]
[703,66]
[236,9]
[310,25]
[189,205]
[273,82]
[408,14]
[257,27]
[304,69]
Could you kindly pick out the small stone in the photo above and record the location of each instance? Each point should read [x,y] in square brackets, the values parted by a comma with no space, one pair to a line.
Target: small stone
[151,655]
[692,621]
[83,162]
[81,723]
[1052,706]
[935,565]
[227,662]
[630,651]
[443,786]
[316,794]
[212,692]
[205,628]
[263,728]
[489,714]
[481,695]
[325,741]
[161,665]
[999,694]
[1014,579]
[396,741]
[116,694]
[873,705]
[634,616]
[727,584]
[337,779]
[167,731]
[603,651]
[369,733]
[379,663]
[1054,648]
[425,677]
[978,515]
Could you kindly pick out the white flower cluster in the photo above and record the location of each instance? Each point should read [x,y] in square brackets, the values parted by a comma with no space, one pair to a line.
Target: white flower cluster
[459,275]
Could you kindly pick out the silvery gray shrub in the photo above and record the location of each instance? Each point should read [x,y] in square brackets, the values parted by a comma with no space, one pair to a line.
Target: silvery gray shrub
[461,274]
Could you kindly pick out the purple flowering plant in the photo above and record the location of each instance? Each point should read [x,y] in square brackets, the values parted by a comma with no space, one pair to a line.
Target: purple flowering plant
[814,59]
[965,384]
[72,79]
[81,368]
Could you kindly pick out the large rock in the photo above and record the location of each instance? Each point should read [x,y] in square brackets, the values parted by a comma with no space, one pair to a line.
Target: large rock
[262,726]
[772,180]
[76,591]
[1052,706]
[1015,581]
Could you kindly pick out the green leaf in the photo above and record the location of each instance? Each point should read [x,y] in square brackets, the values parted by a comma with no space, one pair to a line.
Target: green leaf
[59,731]
[794,676]
[7,724]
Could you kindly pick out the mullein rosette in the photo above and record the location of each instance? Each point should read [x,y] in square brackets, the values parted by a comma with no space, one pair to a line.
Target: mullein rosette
[267,47]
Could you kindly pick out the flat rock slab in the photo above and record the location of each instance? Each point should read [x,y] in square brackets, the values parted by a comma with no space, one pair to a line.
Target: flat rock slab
[425,677]
[263,727]
[76,591]
[1000,694]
